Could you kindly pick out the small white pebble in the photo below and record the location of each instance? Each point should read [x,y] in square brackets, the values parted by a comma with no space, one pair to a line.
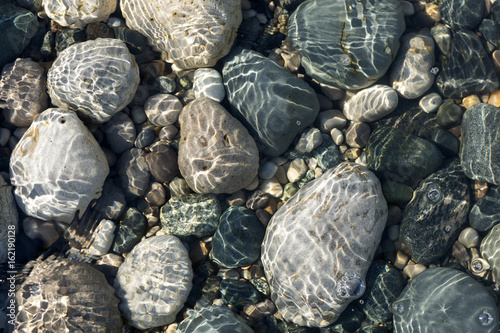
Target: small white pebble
[431,102]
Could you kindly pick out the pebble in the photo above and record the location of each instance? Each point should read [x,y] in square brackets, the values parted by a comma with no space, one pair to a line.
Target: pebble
[446,142]
[442,36]
[309,140]
[77,15]
[208,84]
[133,172]
[131,229]
[490,31]
[144,138]
[324,102]
[330,119]
[357,135]
[494,99]
[67,37]
[272,187]
[168,133]
[162,109]
[46,231]
[337,136]
[4,136]
[395,192]
[102,239]
[165,84]
[486,211]
[449,114]
[470,101]
[297,170]
[98,30]
[257,200]
[401,260]
[430,103]
[469,237]
[267,170]
[239,293]
[238,198]
[371,104]
[213,318]
[461,14]
[162,162]
[138,115]
[156,276]
[412,270]
[156,194]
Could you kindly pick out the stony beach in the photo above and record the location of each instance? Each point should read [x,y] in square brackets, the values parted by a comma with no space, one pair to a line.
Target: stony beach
[244,166]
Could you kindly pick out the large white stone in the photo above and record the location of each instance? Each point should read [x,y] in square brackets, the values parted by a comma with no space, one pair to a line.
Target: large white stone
[78,13]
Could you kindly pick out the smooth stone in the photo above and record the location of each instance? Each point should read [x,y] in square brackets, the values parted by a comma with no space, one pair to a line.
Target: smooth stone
[324,102]
[8,218]
[77,15]
[98,30]
[289,191]
[300,254]
[111,204]
[120,133]
[267,170]
[102,239]
[212,318]
[4,136]
[337,136]
[23,88]
[467,68]
[387,145]
[191,215]
[410,73]
[296,170]
[489,251]
[443,300]
[357,135]
[461,14]
[449,114]
[431,102]
[272,187]
[46,231]
[490,31]
[43,299]
[130,231]
[349,321]
[207,83]
[154,282]
[216,152]
[178,186]
[257,200]
[168,133]
[162,162]
[144,138]
[74,167]
[494,98]
[446,142]
[330,119]
[273,122]
[480,148]
[485,213]
[136,43]
[309,140]
[67,37]
[317,30]
[442,36]
[163,109]
[371,104]
[395,192]
[156,194]
[469,237]
[236,242]
[239,293]
[97,78]
[437,213]
[133,172]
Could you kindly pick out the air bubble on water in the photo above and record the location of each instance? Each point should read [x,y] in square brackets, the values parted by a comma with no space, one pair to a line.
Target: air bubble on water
[361,302]
[477,265]
[447,228]
[345,59]
[398,308]
[485,318]
[388,50]
[433,193]
[351,285]
[434,70]
[298,123]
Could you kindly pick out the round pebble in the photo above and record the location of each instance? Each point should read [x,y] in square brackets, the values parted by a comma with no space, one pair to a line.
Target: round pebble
[297,170]
[330,119]
[469,237]
[267,170]
[431,102]
[162,109]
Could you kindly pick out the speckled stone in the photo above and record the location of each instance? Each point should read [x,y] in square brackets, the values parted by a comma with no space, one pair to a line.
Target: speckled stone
[318,30]
[130,231]
[444,300]
[190,34]
[163,109]
[436,214]
[486,211]
[77,14]
[97,78]
[8,218]
[192,214]
[207,83]
[74,167]
[239,293]
[216,152]
[301,253]
[480,148]
[272,121]
[212,318]
[133,172]
[371,104]
[62,295]
[162,162]
[461,14]
[23,88]
[154,282]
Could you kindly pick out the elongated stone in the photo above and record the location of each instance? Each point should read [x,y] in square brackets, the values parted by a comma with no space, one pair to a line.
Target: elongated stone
[371,104]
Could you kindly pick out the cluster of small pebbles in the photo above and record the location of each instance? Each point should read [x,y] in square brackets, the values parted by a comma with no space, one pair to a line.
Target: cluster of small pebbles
[250,165]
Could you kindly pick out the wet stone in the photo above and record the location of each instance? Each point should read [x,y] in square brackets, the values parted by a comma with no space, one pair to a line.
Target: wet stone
[430,103]
[133,172]
[163,109]
[357,135]
[349,320]
[371,104]
[461,14]
[208,84]
[486,211]
[76,14]
[130,231]
[442,36]
[445,300]
[446,142]
[191,215]
[449,114]
[144,138]
[395,192]
[330,119]
[327,154]
[490,246]
[162,162]
[239,293]
[136,43]
[165,84]
[490,31]
[309,140]
[98,30]
[8,216]
[436,214]
[68,37]
[257,200]
[213,318]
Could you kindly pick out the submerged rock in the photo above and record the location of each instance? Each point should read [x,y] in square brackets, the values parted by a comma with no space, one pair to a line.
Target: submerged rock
[461,14]
[213,318]
[486,211]
[77,14]
[490,250]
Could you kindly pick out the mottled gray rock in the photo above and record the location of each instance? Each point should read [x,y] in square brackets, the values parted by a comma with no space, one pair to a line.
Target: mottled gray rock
[57,167]
[120,133]
[8,218]
[480,148]
[274,106]
[319,245]
[436,214]
[371,104]
[490,246]
[23,88]
[442,36]
[163,109]
[213,318]
[154,281]
[216,152]
[207,83]
[461,14]
[349,44]
[443,300]
[97,78]
[133,172]
[78,14]
[239,293]
[486,211]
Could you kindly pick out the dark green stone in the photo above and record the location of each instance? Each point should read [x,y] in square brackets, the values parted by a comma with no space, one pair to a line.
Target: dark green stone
[132,228]
[261,286]
[327,153]
[289,190]
[165,84]
[446,142]
[395,192]
[239,293]
[68,37]
[136,43]
[48,45]
[490,31]
[461,14]
[449,114]
[485,214]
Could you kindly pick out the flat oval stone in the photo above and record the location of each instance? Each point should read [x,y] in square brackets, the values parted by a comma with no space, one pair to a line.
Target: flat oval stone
[331,37]
[163,109]
[154,281]
[480,148]
[319,245]
[190,34]
[78,14]
[73,172]
[371,104]
[274,106]
[436,214]
[490,251]
[97,78]
[486,211]
[461,14]
[444,300]
[216,152]
[212,318]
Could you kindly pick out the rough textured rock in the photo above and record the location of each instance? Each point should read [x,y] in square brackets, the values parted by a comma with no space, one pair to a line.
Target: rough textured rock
[61,295]
[461,14]
[319,245]
[486,211]
[442,300]
[213,318]
[154,282]
[274,106]
[371,104]
[8,218]
[436,214]
[97,78]
[78,13]
[349,43]
[216,152]
[480,148]
[57,167]
[188,33]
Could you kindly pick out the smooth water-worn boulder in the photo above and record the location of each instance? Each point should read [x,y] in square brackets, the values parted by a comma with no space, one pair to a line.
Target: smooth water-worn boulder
[485,213]
[319,245]
[77,13]
[188,33]
[97,78]
[461,14]
[154,281]
[57,167]
[213,318]
[272,104]
[371,104]
[216,152]
[8,219]
[443,300]
[346,43]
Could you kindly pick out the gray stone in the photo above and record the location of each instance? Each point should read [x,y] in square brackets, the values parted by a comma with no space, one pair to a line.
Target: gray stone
[163,109]
[8,218]
[442,36]
[461,14]
[212,318]
[446,142]
[267,170]
[239,293]
[120,133]
[162,162]
[309,140]
[357,135]
[317,253]
[449,114]
[486,211]
[133,172]
[395,192]
[130,231]
[490,251]
[490,31]
[208,84]
[371,104]
[330,119]
[144,138]
[74,14]
[67,37]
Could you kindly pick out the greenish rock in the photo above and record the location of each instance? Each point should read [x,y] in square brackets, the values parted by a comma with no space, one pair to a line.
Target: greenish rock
[449,114]
[383,286]
[18,26]
[444,300]
[480,148]
[289,190]
[48,44]
[191,215]
[68,37]
[433,219]
[274,106]
[136,43]
[239,293]
[261,286]
[490,250]
[236,242]
[327,154]
[132,228]
[395,192]
[490,31]
[306,179]
[349,321]
[446,142]
[485,213]
[461,14]
[393,150]
[330,37]
[213,318]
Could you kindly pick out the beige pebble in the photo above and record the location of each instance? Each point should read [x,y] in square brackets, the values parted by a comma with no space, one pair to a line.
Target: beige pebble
[297,170]
[484,98]
[480,189]
[337,136]
[317,172]
[433,11]
[494,98]
[253,185]
[331,92]
[401,260]
[272,187]
[362,159]
[469,237]
[153,231]
[330,119]
[281,175]
[353,153]
[470,101]
[357,135]
[172,328]
[238,198]
[413,270]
